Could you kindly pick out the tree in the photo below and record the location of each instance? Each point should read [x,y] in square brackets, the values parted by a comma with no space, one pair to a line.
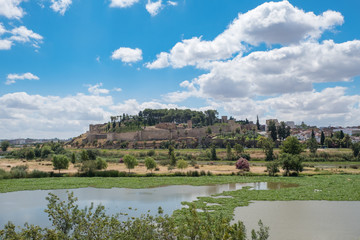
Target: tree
[341,134]
[60,162]
[243,164]
[269,149]
[291,162]
[73,158]
[5,145]
[238,149]
[356,149]
[182,164]
[292,145]
[272,168]
[45,151]
[130,161]
[213,152]
[150,163]
[84,156]
[30,154]
[173,159]
[312,145]
[101,164]
[281,129]
[272,130]
[322,138]
[257,122]
[229,154]
[208,131]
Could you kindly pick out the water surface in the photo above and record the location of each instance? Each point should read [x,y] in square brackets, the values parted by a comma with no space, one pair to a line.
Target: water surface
[304,220]
[28,206]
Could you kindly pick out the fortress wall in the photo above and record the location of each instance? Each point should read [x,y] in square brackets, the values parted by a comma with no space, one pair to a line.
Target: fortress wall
[159,134]
[128,136]
[93,137]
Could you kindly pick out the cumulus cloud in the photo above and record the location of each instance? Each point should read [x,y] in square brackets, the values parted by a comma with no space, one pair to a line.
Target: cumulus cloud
[11,9]
[284,70]
[270,23]
[329,106]
[60,6]
[96,89]
[18,34]
[171,3]
[12,78]
[5,44]
[123,3]
[24,115]
[154,7]
[127,55]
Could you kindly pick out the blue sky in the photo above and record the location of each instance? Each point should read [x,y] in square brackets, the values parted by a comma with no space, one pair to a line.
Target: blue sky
[67,63]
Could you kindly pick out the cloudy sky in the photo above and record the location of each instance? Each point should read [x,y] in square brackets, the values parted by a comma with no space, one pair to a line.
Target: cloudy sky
[67,63]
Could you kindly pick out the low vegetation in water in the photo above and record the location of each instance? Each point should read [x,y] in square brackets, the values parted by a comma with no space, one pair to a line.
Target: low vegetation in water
[70,222]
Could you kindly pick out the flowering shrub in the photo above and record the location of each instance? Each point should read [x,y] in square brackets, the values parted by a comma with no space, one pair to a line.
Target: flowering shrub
[243,164]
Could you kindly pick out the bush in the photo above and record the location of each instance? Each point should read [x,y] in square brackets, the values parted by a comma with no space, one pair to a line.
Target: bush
[150,163]
[291,163]
[19,171]
[101,164]
[38,174]
[107,173]
[151,153]
[4,174]
[246,156]
[272,168]
[182,164]
[243,164]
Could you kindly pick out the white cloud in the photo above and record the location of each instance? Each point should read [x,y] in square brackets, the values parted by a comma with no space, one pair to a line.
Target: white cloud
[98,59]
[127,55]
[11,9]
[270,23]
[96,89]
[60,6]
[329,106]
[154,7]
[284,70]
[123,3]
[117,89]
[171,3]
[24,35]
[2,29]
[5,44]
[24,115]
[12,78]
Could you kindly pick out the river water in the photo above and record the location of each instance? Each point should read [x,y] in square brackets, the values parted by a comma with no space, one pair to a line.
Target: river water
[304,220]
[28,206]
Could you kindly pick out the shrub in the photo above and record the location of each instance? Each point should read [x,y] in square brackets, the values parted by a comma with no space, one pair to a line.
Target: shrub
[272,168]
[182,164]
[151,153]
[19,171]
[101,164]
[243,164]
[38,174]
[107,173]
[150,163]
[291,163]
[4,174]
[246,156]
[130,161]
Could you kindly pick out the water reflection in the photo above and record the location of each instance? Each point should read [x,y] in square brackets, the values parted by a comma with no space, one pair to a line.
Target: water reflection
[29,206]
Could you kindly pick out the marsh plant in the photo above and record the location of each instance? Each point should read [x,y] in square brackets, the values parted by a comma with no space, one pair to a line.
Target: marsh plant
[70,222]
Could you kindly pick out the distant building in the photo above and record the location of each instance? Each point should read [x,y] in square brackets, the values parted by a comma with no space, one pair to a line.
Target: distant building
[271,120]
[224,119]
[290,124]
[349,131]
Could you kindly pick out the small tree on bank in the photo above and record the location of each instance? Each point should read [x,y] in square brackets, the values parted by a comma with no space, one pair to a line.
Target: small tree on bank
[182,164]
[213,152]
[130,161]
[5,145]
[292,145]
[150,163]
[60,162]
